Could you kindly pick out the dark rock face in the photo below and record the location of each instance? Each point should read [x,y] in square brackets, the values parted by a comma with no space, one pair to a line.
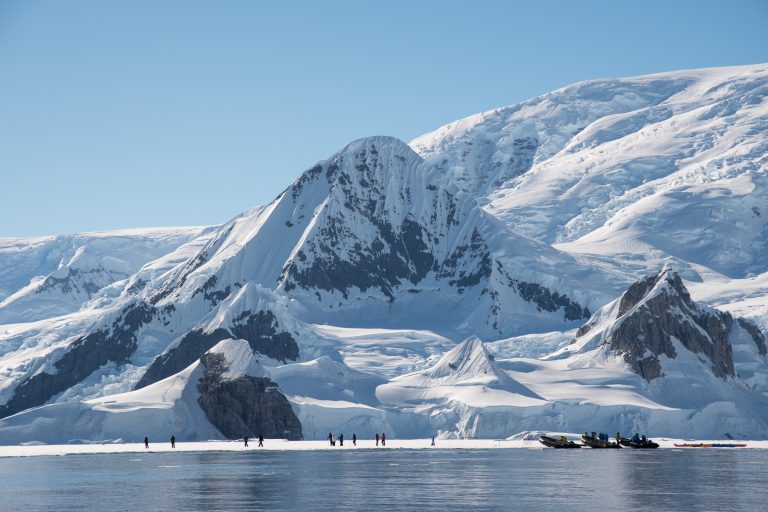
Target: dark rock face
[211,294]
[584,329]
[86,355]
[190,266]
[544,298]
[137,286]
[646,325]
[754,331]
[259,329]
[401,252]
[261,332]
[551,301]
[245,406]
[307,177]
[404,256]
[468,264]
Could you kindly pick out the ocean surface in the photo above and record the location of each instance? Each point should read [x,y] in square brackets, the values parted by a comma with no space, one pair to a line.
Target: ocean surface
[386,479]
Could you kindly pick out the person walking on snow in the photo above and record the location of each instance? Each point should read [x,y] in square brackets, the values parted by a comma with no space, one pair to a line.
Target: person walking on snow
[245,441]
[261,441]
[146,443]
[383,439]
[173,441]
[354,439]
[377,439]
[330,439]
[341,439]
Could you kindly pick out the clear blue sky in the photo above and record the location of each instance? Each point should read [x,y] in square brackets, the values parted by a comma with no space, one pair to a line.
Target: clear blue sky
[119,114]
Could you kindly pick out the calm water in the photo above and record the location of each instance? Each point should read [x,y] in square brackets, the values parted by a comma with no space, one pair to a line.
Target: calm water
[370,480]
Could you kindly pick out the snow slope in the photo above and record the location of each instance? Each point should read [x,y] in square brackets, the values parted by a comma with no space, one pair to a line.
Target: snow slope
[50,276]
[326,395]
[638,169]
[164,408]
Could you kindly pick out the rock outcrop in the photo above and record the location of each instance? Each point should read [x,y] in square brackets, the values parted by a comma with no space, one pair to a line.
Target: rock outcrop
[245,405]
[656,311]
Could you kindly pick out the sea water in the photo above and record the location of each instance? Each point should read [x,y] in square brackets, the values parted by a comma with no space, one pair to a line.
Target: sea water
[387,479]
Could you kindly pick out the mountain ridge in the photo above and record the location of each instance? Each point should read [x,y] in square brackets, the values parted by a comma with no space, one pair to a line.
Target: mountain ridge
[514,225]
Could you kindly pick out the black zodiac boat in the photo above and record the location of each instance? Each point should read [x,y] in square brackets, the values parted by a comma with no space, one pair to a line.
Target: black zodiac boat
[557,443]
[646,445]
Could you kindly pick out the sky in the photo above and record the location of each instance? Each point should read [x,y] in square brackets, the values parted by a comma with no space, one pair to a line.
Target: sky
[142,113]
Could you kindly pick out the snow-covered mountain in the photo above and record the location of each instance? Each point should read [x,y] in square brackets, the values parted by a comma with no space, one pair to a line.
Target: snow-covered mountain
[354,286]
[650,168]
[50,276]
[370,238]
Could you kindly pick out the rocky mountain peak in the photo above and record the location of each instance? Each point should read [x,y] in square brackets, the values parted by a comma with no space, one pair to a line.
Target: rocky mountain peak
[656,317]
[667,280]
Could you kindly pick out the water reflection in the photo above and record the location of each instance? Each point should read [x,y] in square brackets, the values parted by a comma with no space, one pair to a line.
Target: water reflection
[371,480]
[693,479]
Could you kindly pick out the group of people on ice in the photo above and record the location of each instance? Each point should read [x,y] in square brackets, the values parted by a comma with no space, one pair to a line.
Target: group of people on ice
[173,441]
[146,442]
[333,439]
[261,441]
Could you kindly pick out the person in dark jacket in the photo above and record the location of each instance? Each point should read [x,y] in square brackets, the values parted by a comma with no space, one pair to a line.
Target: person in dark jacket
[354,439]
[146,443]
[377,439]
[341,439]
[173,441]
[261,441]
[245,441]
[331,439]
[383,439]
